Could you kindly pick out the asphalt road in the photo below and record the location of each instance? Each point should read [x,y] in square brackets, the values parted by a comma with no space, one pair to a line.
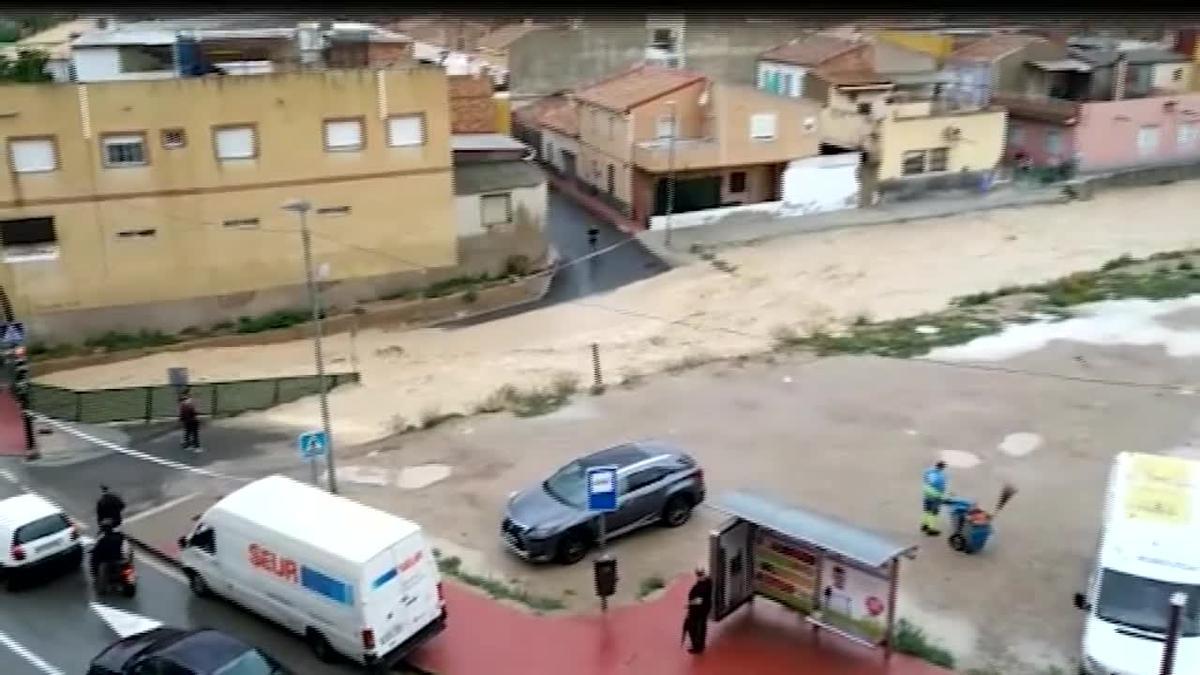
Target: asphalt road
[54,623]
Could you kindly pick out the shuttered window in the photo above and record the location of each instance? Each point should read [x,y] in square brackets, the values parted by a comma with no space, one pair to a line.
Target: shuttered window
[762,126]
[32,155]
[235,143]
[496,209]
[406,130]
[343,135]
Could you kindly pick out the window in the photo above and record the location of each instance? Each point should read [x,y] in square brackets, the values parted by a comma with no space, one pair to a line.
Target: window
[785,84]
[495,209]
[235,142]
[241,223]
[1177,75]
[333,211]
[1147,140]
[124,150]
[762,126]
[40,529]
[136,234]
[406,131]
[663,38]
[612,128]
[343,135]
[864,108]
[914,163]
[29,239]
[645,478]
[205,539]
[665,127]
[939,158]
[32,155]
[173,138]
[1054,142]
[1186,134]
[737,182]
[612,180]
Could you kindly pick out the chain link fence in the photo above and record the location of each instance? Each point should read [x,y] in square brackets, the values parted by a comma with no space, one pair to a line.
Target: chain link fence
[213,399]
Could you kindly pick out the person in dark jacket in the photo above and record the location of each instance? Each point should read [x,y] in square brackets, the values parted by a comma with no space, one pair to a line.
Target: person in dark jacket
[695,622]
[190,421]
[109,507]
[111,549]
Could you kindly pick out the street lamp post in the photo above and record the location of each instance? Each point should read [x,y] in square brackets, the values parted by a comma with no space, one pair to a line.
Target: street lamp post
[1178,602]
[301,208]
[671,172]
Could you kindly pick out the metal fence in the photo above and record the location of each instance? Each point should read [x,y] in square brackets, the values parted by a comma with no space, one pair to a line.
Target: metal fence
[214,399]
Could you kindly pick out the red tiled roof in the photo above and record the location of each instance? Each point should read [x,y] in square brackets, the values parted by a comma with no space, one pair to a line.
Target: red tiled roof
[553,112]
[811,51]
[636,86]
[994,47]
[850,78]
[500,39]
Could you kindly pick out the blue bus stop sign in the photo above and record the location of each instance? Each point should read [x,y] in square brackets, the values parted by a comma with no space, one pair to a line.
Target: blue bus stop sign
[602,488]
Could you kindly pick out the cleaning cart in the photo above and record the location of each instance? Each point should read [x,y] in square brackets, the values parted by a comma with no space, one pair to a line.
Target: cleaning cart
[972,526]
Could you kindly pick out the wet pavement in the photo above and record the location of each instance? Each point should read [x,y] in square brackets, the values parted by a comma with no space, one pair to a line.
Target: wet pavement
[567,226]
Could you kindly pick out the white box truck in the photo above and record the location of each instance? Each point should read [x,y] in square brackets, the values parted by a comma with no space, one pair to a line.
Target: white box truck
[348,578]
[1149,551]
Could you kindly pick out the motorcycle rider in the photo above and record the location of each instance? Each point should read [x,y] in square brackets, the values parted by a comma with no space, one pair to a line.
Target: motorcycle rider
[109,507]
[110,551]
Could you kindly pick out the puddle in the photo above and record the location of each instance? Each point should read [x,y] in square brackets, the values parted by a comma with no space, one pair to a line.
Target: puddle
[423,475]
[959,459]
[1020,444]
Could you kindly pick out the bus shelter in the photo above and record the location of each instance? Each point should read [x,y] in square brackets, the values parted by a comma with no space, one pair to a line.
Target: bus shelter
[839,577]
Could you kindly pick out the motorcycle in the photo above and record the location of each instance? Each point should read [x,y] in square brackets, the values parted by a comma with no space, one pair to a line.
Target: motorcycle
[118,577]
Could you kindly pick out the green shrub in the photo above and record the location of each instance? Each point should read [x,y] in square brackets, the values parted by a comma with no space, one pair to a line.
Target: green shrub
[911,639]
[283,318]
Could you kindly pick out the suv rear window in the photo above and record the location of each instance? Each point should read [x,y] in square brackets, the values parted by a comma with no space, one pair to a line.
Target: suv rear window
[42,527]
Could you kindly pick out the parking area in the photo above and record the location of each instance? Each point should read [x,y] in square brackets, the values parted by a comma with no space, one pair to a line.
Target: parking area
[849,436]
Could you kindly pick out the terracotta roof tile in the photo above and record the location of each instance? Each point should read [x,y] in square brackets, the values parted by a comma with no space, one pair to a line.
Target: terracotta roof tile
[846,78]
[554,112]
[994,47]
[635,86]
[811,51]
[500,39]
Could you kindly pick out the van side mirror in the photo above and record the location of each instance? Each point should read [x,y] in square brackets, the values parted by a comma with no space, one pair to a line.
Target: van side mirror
[1081,602]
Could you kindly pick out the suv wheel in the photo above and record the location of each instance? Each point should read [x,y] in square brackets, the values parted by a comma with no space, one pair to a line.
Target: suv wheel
[677,511]
[572,547]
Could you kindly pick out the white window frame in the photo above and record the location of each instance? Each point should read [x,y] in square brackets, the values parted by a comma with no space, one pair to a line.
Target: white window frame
[344,134]
[33,155]
[664,127]
[483,209]
[408,141]
[763,126]
[1144,134]
[1186,134]
[111,140]
[222,140]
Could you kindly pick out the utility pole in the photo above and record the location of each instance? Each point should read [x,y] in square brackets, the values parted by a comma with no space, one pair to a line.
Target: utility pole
[302,208]
[671,171]
[1178,602]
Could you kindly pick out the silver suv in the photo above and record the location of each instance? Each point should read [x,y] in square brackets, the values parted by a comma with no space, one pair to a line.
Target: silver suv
[657,482]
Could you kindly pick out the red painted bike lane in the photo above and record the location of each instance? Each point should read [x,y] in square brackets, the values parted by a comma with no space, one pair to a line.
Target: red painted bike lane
[484,636]
[12,425]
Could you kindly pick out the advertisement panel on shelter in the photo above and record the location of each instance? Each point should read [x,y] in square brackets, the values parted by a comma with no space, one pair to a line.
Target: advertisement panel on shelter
[854,599]
[785,570]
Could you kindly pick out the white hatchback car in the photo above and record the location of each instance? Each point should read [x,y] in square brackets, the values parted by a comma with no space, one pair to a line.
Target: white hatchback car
[36,536]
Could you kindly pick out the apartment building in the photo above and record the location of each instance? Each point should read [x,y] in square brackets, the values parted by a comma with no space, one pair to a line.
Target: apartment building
[156,203]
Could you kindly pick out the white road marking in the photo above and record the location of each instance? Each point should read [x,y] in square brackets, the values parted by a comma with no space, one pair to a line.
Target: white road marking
[124,624]
[161,507]
[136,454]
[29,657]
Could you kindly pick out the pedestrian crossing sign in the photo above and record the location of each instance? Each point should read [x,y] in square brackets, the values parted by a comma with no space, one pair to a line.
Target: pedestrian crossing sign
[312,445]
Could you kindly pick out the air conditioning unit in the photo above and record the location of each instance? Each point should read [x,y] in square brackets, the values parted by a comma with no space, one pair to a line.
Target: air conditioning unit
[952,133]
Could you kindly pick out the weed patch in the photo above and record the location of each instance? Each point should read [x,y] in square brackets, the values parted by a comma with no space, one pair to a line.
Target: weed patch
[273,321]
[649,585]
[911,639]
[531,402]
[451,566]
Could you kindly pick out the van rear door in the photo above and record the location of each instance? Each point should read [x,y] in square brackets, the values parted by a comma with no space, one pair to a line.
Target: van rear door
[400,594]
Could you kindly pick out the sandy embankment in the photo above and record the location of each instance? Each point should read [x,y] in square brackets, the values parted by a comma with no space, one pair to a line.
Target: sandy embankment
[804,281]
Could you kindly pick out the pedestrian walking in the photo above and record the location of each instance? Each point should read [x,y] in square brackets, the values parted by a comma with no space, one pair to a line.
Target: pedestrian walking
[109,507]
[699,606]
[190,421]
[932,497]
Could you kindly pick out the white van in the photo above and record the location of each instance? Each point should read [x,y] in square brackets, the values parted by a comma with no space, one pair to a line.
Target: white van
[1149,550]
[348,578]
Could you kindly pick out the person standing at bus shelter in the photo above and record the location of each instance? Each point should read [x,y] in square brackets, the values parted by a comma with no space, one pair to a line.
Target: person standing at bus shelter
[933,494]
[190,420]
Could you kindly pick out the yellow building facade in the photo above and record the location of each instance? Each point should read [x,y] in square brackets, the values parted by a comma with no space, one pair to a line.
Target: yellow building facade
[157,203]
[913,142]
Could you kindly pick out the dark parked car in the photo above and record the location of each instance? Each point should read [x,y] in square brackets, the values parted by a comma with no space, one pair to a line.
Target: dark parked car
[183,652]
[657,482]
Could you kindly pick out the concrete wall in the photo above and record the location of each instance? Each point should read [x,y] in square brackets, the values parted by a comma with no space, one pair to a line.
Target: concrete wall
[980,148]
[486,249]
[1009,71]
[400,215]
[1172,77]
[1108,131]
[553,143]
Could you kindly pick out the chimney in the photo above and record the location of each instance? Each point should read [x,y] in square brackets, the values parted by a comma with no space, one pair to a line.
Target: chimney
[1120,77]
